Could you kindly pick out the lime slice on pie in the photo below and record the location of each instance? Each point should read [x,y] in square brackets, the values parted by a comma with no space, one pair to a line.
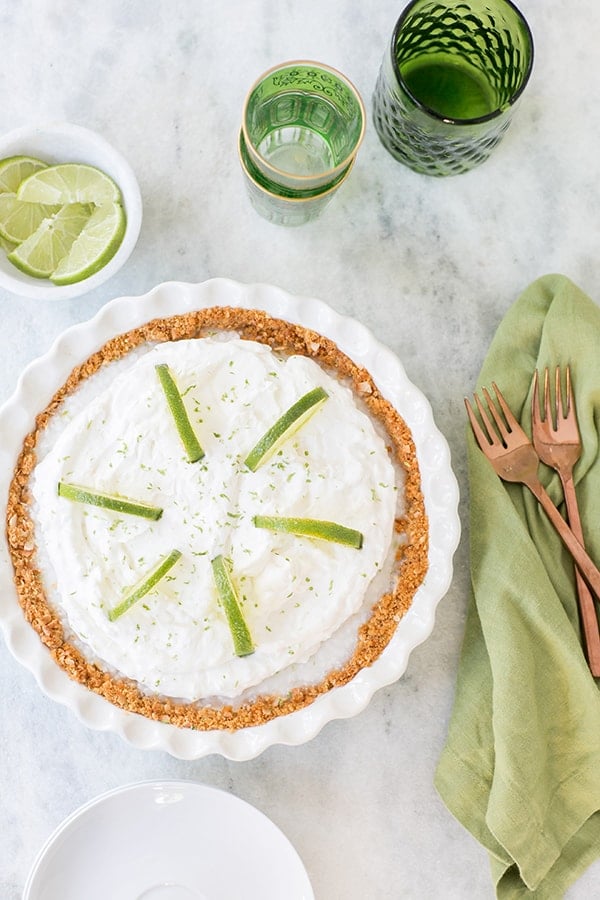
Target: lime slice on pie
[285,427]
[41,252]
[315,528]
[145,585]
[69,183]
[189,440]
[242,641]
[18,220]
[94,246]
[115,502]
[15,169]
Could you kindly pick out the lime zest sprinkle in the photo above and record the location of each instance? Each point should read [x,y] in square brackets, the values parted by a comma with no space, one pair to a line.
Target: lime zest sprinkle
[243,644]
[189,440]
[316,528]
[146,583]
[115,502]
[287,425]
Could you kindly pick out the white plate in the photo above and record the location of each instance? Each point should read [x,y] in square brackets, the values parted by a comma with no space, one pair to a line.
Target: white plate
[45,375]
[167,840]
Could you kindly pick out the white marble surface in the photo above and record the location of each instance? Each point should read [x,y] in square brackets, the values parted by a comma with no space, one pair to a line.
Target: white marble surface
[429,265]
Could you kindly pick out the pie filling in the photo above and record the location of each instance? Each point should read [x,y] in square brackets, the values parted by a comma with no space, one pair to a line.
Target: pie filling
[294,591]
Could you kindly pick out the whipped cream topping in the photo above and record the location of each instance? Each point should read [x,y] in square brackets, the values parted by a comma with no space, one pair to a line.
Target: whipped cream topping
[295,592]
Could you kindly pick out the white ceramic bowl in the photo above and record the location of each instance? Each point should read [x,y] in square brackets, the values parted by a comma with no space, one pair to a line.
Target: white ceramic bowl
[60,143]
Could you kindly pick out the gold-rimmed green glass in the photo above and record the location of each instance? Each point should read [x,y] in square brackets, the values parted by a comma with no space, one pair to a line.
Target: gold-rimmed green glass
[450,81]
[302,123]
[281,205]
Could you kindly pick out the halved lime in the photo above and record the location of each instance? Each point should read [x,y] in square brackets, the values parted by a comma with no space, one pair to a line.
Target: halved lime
[96,244]
[18,220]
[41,253]
[15,169]
[116,502]
[315,528]
[69,183]
[242,640]
[189,440]
[149,580]
[285,427]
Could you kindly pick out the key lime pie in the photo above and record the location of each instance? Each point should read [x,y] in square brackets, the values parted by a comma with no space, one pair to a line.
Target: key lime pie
[217,519]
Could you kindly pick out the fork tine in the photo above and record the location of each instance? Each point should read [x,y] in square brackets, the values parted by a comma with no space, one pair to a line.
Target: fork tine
[565,410]
[570,405]
[482,438]
[548,413]
[511,420]
[501,425]
[535,399]
[560,413]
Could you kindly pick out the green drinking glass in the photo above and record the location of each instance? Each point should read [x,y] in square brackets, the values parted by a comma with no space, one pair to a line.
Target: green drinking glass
[281,205]
[449,82]
[302,124]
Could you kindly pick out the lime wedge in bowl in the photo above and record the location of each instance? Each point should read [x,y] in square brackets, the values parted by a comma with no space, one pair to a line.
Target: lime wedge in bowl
[15,169]
[18,220]
[69,183]
[41,253]
[95,245]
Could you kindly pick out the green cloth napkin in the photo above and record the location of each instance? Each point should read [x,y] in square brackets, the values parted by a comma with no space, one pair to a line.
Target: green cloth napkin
[521,767]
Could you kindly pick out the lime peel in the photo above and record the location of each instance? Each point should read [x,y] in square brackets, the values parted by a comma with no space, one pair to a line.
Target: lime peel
[242,640]
[115,502]
[145,585]
[287,425]
[316,528]
[189,440]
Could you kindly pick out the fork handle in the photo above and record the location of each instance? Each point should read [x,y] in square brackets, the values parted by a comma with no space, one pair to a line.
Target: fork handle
[587,609]
[584,563]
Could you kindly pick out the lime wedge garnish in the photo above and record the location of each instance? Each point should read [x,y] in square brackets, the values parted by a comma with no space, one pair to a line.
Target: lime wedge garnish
[285,427]
[15,169]
[115,502]
[316,528]
[189,440]
[95,245]
[69,183]
[242,641]
[41,253]
[145,585]
[18,220]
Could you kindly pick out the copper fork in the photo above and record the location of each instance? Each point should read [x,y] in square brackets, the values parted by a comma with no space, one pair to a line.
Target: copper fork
[513,457]
[558,444]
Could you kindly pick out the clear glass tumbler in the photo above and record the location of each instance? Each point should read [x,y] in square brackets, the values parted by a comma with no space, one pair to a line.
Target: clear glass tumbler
[449,82]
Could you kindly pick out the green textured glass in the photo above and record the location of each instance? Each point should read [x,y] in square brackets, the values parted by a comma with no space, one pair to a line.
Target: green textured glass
[303,123]
[449,83]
